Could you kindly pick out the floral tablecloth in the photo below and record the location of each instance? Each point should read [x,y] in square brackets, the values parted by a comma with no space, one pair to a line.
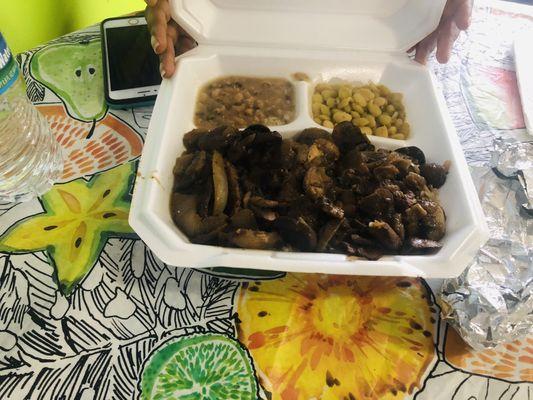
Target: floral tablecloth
[88,312]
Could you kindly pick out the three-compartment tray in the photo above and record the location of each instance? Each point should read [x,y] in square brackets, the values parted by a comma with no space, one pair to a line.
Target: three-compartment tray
[431,130]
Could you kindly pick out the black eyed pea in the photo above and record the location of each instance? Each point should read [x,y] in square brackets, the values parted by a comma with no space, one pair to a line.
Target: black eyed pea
[374,110]
[327,124]
[317,98]
[381,131]
[385,120]
[341,116]
[366,130]
[361,122]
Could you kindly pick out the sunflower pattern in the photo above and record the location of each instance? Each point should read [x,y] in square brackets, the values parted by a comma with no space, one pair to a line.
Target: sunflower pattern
[87,311]
[336,337]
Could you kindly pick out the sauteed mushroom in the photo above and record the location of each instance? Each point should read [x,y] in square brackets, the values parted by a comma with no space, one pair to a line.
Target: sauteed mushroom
[317,192]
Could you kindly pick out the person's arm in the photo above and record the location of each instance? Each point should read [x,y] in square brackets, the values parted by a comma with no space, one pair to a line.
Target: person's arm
[455,18]
[169,39]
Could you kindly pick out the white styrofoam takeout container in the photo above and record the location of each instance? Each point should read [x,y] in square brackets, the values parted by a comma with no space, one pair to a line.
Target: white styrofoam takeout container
[351,40]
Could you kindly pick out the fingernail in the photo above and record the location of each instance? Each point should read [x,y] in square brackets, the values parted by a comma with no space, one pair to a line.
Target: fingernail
[162,71]
[154,42]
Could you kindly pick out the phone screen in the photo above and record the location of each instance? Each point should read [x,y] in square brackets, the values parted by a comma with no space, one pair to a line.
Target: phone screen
[132,61]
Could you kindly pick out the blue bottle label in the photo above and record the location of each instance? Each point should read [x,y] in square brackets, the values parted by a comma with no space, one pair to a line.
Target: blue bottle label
[8,68]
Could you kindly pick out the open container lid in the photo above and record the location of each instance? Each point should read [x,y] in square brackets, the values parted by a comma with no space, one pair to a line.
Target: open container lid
[370,25]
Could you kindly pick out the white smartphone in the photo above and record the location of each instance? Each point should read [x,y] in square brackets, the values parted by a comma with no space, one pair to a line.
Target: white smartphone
[131,68]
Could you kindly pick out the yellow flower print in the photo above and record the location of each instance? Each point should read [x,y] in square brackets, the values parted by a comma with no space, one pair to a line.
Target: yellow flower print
[338,337]
[78,218]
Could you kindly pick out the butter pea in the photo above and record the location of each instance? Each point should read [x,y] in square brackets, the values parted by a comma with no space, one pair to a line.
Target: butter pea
[390,109]
[398,123]
[326,94]
[324,110]
[345,92]
[385,120]
[322,116]
[366,93]
[317,98]
[380,101]
[361,122]
[398,136]
[405,129]
[315,107]
[366,130]
[384,90]
[359,109]
[341,117]
[393,130]
[359,99]
[381,131]
[374,110]
[345,102]
[371,120]
[327,124]
[331,102]
[317,120]
[355,114]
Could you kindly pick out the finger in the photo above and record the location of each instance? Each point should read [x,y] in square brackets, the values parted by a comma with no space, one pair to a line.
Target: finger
[150,3]
[425,47]
[157,18]
[168,63]
[448,33]
[173,32]
[463,15]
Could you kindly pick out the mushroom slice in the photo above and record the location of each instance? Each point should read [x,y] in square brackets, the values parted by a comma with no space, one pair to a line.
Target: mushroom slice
[347,136]
[317,183]
[243,218]
[252,239]
[435,174]
[323,152]
[413,153]
[297,233]
[327,232]
[434,222]
[385,235]
[234,191]
[183,208]
[309,135]
[220,184]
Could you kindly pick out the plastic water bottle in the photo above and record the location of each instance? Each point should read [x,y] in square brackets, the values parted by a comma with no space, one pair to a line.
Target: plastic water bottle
[30,157]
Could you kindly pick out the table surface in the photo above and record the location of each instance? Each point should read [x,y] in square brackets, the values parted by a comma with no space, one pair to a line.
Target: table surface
[252,335]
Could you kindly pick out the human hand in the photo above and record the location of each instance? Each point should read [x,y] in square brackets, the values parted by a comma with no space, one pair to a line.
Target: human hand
[455,18]
[168,38]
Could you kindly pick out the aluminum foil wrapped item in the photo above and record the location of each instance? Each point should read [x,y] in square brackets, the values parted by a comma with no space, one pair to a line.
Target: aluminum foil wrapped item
[492,301]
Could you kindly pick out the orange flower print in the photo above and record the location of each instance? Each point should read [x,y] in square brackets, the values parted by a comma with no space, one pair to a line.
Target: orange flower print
[512,361]
[338,337]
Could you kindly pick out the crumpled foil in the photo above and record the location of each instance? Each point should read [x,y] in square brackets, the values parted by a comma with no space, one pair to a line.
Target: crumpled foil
[491,302]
